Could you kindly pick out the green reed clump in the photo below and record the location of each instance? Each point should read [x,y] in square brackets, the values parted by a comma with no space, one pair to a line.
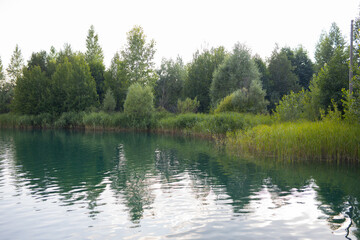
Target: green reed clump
[330,140]
[70,120]
[220,123]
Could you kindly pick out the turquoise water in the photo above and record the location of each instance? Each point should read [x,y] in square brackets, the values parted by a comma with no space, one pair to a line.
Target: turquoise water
[75,185]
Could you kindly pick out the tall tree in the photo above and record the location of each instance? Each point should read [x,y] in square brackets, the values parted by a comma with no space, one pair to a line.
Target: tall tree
[327,45]
[264,74]
[94,52]
[2,75]
[302,65]
[32,92]
[38,59]
[169,87]
[138,57]
[116,80]
[282,78]
[14,69]
[95,58]
[236,72]
[200,75]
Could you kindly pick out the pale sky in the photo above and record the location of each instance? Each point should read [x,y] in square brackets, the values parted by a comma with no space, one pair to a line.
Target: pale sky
[179,27]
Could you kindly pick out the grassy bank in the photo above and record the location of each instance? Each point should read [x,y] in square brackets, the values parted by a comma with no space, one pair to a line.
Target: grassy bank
[201,124]
[330,140]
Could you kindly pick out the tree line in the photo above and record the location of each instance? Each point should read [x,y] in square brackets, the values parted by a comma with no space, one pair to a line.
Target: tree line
[215,80]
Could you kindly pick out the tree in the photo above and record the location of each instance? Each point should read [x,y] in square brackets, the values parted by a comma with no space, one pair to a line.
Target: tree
[6,96]
[32,92]
[264,74]
[169,86]
[73,87]
[95,58]
[109,101]
[330,80]
[236,72]
[200,75]
[2,75]
[282,79]
[301,63]
[117,81]
[328,43]
[138,57]
[38,59]
[14,69]
[94,52]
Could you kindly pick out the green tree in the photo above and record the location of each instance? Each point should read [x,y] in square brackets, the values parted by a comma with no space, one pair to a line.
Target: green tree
[138,57]
[109,101]
[6,96]
[200,75]
[38,59]
[264,74]
[16,65]
[116,80]
[73,87]
[328,43]
[139,105]
[32,92]
[169,86]
[302,65]
[282,79]
[330,80]
[95,58]
[2,75]
[236,72]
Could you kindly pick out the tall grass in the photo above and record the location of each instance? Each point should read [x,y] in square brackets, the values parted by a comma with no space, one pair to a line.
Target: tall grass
[330,140]
[212,124]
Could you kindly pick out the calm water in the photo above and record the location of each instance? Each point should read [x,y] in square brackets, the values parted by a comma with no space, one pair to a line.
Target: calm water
[63,185]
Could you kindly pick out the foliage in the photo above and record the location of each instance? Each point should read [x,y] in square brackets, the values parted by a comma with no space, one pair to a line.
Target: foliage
[32,92]
[169,86]
[109,101]
[2,75]
[14,69]
[329,81]
[139,105]
[295,106]
[116,80]
[327,45]
[212,124]
[236,72]
[138,57]
[188,105]
[6,96]
[200,75]
[282,79]
[244,100]
[95,58]
[302,65]
[330,140]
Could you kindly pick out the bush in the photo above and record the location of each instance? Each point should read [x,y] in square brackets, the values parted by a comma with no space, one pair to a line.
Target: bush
[244,100]
[139,105]
[70,120]
[295,106]
[188,105]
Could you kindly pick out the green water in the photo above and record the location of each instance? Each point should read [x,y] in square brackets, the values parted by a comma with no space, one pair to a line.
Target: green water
[75,185]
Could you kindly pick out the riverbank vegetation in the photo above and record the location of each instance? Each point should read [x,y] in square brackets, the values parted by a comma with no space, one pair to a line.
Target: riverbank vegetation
[286,106]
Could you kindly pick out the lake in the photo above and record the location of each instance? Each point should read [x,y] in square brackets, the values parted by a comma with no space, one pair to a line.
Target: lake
[77,185]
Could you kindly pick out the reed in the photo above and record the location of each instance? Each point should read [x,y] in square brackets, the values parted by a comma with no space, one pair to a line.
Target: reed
[329,140]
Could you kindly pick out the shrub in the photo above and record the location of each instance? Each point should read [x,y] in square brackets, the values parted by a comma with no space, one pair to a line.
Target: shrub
[244,100]
[188,105]
[139,105]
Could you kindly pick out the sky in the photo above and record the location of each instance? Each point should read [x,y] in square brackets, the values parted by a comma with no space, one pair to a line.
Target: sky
[179,27]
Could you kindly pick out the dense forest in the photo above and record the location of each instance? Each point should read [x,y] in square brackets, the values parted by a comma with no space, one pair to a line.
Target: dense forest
[215,80]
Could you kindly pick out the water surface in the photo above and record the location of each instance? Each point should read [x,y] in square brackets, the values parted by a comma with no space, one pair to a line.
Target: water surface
[74,185]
